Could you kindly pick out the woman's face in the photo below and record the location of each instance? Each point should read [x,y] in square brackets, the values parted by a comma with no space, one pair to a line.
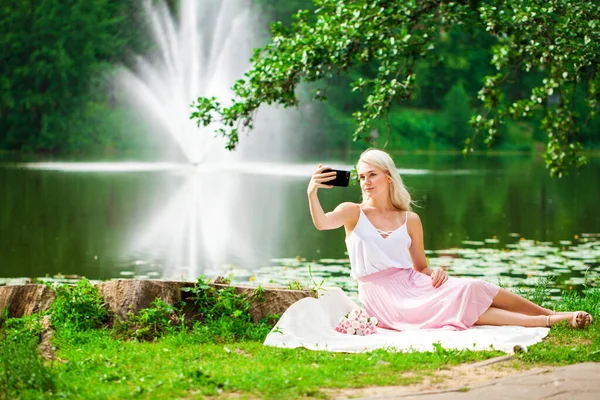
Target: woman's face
[373,181]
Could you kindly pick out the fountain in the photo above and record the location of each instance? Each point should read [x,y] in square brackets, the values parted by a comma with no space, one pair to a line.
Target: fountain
[218,215]
[201,53]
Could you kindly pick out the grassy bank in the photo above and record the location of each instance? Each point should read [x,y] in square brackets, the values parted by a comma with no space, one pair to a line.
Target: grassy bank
[159,354]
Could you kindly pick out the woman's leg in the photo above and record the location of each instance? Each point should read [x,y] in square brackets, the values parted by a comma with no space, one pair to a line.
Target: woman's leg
[498,316]
[509,301]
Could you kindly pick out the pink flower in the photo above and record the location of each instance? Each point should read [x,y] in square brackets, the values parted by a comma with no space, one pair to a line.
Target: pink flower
[357,322]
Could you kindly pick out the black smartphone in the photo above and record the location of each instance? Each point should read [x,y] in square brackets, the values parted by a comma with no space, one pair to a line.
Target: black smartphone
[342,178]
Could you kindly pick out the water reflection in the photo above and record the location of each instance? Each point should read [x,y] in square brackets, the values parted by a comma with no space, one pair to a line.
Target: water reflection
[215,218]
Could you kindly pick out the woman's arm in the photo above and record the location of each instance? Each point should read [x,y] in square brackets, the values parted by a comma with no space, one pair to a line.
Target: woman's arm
[417,251]
[417,248]
[331,220]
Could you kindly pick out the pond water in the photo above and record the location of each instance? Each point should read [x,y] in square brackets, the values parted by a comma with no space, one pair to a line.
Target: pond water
[496,217]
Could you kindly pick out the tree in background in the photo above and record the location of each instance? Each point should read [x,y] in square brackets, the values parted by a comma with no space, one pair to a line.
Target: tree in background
[50,51]
[556,39]
[456,113]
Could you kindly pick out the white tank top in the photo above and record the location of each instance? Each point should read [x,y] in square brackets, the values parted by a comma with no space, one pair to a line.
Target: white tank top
[370,252]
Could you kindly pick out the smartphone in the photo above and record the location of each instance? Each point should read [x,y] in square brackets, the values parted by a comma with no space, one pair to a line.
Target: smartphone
[341,179]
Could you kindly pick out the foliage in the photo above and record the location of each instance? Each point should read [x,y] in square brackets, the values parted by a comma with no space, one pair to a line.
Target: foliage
[185,363]
[57,95]
[414,129]
[588,300]
[95,364]
[150,323]
[78,307]
[283,11]
[225,312]
[295,285]
[455,114]
[21,366]
[3,316]
[540,292]
[51,51]
[566,345]
[315,286]
[557,39]
[560,37]
[27,325]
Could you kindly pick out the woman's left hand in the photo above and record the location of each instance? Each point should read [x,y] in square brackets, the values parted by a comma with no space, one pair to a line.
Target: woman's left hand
[438,277]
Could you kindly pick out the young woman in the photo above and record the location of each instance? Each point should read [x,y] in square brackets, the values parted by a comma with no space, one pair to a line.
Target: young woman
[387,257]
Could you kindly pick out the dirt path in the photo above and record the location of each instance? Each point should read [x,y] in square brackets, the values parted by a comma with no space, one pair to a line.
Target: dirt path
[457,378]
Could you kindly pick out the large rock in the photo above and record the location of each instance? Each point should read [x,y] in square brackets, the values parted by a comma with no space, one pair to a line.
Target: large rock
[124,296]
[23,300]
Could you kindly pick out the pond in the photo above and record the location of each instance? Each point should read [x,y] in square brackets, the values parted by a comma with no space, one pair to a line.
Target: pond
[497,217]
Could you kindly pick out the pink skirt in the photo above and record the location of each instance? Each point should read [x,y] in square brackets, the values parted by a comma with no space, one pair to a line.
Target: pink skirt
[403,299]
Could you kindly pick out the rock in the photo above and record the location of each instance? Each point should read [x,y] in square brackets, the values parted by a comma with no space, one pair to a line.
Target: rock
[45,347]
[24,300]
[124,296]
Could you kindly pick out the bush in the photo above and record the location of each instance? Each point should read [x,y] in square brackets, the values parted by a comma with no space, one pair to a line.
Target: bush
[78,307]
[225,313]
[150,322]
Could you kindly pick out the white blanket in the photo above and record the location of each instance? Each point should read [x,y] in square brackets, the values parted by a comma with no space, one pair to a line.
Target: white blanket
[310,323]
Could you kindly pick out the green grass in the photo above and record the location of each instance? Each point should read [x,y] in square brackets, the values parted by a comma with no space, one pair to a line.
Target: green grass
[21,367]
[566,345]
[192,361]
[182,364]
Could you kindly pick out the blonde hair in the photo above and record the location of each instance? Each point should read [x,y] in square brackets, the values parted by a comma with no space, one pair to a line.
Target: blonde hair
[399,195]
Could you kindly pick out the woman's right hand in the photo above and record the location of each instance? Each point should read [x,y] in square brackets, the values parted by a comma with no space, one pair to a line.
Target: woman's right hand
[317,179]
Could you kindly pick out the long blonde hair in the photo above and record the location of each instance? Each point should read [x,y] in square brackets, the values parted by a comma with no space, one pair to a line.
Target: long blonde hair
[399,195]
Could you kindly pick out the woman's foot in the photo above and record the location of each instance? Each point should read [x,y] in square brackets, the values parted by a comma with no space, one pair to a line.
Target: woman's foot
[581,319]
[577,319]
